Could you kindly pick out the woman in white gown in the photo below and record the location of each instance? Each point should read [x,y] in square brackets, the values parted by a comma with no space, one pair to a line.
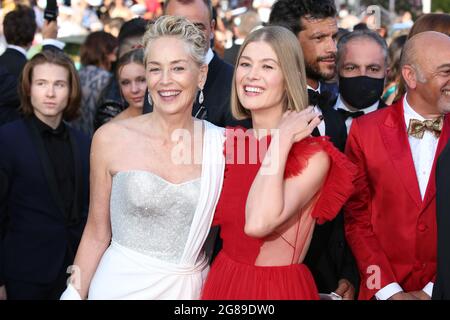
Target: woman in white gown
[155,182]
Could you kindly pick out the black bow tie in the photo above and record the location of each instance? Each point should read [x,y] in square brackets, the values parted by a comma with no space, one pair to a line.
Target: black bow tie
[318,99]
[346,114]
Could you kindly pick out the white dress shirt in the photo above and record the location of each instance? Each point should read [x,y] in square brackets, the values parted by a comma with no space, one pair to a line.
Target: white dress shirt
[348,122]
[17,48]
[60,45]
[423,152]
[209,56]
[321,126]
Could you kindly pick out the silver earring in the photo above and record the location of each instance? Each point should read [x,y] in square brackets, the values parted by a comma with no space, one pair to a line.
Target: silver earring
[149,99]
[201,98]
[201,112]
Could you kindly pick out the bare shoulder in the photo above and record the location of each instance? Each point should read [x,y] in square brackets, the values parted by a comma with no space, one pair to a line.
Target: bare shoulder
[319,160]
[117,132]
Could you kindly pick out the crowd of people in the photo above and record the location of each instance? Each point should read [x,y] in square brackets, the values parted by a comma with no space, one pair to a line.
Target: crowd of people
[304,161]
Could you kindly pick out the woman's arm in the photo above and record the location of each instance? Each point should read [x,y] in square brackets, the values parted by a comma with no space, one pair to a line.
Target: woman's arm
[97,232]
[272,200]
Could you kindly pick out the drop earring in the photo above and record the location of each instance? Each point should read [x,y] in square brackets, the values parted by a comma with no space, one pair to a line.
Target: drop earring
[201,113]
[201,98]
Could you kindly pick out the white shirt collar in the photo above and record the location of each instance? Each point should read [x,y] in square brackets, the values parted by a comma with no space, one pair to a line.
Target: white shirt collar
[20,49]
[316,90]
[239,42]
[341,105]
[209,56]
[409,113]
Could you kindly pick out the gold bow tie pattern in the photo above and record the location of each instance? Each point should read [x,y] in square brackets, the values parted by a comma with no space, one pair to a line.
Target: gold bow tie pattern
[417,128]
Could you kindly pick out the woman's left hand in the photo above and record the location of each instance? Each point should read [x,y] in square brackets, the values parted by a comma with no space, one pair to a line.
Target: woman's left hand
[296,126]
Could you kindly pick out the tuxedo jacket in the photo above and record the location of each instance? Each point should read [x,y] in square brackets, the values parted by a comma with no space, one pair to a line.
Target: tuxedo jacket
[34,236]
[390,229]
[441,289]
[217,94]
[329,257]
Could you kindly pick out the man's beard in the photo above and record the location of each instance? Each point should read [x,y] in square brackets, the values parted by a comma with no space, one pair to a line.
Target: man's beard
[313,70]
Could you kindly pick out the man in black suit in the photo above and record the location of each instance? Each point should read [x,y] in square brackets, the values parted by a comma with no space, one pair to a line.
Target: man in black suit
[315,26]
[441,288]
[19,27]
[44,176]
[362,67]
[216,105]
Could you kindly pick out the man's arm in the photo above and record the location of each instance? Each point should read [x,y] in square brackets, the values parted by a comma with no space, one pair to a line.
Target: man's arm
[49,35]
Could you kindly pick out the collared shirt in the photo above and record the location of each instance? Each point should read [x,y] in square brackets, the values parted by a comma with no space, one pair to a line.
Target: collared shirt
[321,126]
[53,42]
[348,122]
[59,150]
[209,56]
[423,152]
[17,48]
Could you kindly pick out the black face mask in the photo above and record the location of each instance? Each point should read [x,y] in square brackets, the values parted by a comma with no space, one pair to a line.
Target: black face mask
[361,92]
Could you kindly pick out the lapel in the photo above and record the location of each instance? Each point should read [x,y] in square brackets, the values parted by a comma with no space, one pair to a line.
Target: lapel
[45,162]
[77,197]
[394,135]
[431,187]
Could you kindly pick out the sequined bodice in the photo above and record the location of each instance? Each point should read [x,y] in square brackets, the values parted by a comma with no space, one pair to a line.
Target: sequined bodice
[151,215]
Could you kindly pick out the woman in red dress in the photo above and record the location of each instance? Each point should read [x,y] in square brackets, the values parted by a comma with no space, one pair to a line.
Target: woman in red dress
[278,179]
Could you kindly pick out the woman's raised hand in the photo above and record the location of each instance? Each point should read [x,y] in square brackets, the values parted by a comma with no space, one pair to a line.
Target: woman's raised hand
[296,126]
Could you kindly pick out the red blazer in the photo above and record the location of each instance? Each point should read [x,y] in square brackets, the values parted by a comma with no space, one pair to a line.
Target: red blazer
[390,230]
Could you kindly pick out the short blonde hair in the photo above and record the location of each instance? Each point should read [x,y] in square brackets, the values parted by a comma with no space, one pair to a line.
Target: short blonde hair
[290,58]
[180,28]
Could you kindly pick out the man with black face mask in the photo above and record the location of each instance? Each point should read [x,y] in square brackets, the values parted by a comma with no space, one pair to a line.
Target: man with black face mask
[361,63]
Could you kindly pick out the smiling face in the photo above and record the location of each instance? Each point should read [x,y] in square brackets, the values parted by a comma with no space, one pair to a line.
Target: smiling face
[436,70]
[426,71]
[49,92]
[259,79]
[173,77]
[133,84]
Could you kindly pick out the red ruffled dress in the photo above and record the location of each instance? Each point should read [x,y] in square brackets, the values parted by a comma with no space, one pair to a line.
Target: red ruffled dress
[271,267]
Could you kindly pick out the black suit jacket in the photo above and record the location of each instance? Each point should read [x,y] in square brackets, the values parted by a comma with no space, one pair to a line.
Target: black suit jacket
[329,258]
[35,241]
[13,61]
[441,289]
[230,55]
[217,93]
[9,97]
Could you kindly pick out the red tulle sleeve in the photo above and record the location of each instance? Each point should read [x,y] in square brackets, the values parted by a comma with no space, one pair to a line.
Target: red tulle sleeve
[338,186]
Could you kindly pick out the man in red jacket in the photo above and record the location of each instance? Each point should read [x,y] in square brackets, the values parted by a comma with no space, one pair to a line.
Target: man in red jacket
[390,221]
